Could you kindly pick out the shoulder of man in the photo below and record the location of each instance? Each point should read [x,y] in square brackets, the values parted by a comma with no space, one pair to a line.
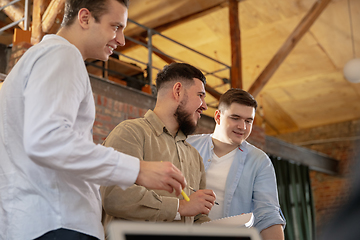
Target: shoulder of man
[197,137]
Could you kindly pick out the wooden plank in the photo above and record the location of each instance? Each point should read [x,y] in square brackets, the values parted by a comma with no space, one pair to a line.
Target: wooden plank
[235,37]
[36,30]
[316,161]
[21,36]
[55,7]
[286,48]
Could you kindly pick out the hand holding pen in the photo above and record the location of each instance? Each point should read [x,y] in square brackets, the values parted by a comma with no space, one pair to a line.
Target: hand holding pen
[201,201]
[195,191]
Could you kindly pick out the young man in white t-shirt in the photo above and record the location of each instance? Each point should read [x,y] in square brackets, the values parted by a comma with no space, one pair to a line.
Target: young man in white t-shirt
[241,175]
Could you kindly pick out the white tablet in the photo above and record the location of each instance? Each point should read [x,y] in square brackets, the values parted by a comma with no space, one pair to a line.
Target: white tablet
[127,230]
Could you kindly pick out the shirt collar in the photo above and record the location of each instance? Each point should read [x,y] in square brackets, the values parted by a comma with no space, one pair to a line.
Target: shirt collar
[242,147]
[159,126]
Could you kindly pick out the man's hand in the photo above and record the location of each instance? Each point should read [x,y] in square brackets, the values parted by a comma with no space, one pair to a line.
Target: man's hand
[161,176]
[201,201]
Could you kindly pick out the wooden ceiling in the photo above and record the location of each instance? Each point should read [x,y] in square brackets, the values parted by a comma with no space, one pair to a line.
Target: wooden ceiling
[307,88]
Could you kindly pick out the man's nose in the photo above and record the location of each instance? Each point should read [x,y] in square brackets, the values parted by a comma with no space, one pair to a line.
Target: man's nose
[242,124]
[120,38]
[203,105]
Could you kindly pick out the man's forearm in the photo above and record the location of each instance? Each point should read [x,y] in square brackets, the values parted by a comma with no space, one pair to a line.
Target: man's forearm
[275,232]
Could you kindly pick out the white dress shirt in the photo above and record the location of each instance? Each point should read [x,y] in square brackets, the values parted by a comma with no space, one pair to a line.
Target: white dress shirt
[50,169]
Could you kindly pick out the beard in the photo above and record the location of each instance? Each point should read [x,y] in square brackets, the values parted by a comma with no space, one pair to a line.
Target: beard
[186,124]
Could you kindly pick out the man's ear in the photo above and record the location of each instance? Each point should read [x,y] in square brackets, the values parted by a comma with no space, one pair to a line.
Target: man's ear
[84,16]
[217,116]
[177,90]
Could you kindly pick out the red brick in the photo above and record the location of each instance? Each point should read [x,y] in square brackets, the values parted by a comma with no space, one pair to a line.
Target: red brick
[98,124]
[103,117]
[104,101]
[109,103]
[99,131]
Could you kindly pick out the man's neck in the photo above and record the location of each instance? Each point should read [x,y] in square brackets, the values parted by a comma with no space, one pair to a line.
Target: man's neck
[71,37]
[169,121]
[221,148]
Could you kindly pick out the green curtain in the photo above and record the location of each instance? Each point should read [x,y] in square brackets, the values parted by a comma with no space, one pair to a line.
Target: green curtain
[295,197]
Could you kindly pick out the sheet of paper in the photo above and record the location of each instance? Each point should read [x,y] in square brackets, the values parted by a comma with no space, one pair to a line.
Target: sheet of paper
[243,220]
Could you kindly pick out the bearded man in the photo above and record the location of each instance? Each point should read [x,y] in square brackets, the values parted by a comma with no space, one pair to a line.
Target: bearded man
[160,136]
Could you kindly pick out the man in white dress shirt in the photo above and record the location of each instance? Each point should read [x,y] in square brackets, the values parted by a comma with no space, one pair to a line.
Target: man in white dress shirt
[50,169]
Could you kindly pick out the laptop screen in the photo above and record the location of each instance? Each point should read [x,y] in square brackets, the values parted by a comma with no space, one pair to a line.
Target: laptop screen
[126,230]
[177,237]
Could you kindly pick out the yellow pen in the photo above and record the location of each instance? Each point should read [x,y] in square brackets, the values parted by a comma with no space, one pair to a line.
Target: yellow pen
[185,196]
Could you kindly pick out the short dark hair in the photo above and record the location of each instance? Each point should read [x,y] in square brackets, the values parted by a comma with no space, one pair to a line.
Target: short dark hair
[236,95]
[178,71]
[96,7]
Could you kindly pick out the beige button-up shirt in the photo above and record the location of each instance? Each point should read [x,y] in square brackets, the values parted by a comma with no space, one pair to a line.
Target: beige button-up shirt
[148,139]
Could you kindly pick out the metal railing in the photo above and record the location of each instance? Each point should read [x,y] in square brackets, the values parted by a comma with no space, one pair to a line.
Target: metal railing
[150,33]
[26,17]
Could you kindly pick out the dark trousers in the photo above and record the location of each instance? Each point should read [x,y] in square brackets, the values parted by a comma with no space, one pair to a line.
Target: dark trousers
[65,234]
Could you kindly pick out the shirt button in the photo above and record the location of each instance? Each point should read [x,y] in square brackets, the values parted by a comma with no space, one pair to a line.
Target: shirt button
[209,160]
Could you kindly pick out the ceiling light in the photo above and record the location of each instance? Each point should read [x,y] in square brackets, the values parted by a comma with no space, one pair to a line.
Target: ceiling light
[352,67]
[352,70]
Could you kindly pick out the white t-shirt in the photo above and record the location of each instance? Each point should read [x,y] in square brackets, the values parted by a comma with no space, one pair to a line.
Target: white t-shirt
[216,176]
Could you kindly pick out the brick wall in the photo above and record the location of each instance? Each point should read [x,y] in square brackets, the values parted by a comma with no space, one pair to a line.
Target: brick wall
[109,113]
[337,141]
[114,104]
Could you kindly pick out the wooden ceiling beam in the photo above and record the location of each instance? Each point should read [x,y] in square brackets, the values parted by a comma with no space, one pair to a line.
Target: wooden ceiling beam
[235,37]
[316,161]
[36,29]
[55,7]
[289,44]
[212,92]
